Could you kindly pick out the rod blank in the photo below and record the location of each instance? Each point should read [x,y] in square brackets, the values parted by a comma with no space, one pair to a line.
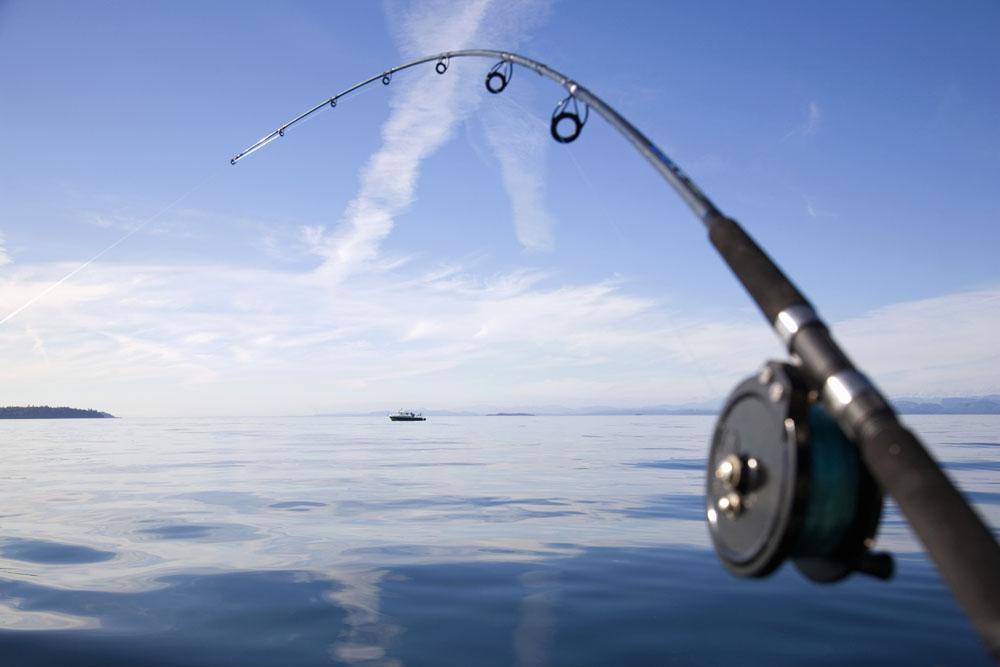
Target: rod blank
[675,176]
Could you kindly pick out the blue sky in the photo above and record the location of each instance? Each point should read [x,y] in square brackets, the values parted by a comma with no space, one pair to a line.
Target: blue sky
[427,244]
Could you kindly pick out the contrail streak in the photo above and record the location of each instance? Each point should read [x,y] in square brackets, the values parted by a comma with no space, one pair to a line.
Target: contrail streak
[27,304]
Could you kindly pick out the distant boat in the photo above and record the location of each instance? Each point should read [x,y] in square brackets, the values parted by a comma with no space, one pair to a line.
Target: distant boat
[404,416]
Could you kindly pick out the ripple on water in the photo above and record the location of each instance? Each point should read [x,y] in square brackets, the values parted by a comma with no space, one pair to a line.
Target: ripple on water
[297,505]
[216,532]
[682,506]
[238,500]
[983,497]
[672,464]
[51,553]
[974,466]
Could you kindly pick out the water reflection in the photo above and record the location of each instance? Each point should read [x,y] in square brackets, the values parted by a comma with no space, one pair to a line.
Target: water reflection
[245,618]
[599,606]
[535,633]
[335,541]
[368,633]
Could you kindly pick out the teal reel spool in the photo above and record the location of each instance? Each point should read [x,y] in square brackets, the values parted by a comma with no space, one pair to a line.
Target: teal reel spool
[784,482]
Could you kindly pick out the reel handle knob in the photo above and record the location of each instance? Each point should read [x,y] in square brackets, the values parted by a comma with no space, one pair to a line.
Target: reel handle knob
[876,564]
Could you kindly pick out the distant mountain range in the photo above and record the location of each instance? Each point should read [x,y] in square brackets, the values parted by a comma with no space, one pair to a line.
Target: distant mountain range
[957,405]
[46,412]
[552,411]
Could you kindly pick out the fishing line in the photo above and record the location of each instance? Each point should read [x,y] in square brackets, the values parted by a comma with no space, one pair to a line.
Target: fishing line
[675,332]
[132,232]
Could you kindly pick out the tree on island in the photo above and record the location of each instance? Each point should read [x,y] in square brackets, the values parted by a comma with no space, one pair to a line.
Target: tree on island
[46,412]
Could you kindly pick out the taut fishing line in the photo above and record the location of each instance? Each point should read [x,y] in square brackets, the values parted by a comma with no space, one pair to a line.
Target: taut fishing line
[135,230]
[132,232]
[676,332]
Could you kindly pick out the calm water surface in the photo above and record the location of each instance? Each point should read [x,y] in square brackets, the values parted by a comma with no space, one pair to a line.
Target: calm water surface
[463,541]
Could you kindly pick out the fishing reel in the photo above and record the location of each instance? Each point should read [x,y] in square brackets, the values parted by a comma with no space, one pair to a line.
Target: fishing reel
[785,482]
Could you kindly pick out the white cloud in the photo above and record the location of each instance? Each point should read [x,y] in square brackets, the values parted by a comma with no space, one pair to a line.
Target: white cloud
[4,257]
[232,333]
[939,346]
[210,340]
[814,118]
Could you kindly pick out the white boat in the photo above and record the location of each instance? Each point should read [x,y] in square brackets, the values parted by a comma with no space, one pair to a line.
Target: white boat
[405,416]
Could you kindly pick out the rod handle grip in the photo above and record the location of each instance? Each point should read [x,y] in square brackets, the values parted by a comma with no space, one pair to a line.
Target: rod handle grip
[958,541]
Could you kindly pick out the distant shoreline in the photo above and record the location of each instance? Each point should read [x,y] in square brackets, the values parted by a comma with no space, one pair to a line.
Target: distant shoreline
[47,412]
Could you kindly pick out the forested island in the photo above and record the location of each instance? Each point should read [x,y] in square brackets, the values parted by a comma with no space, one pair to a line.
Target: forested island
[46,412]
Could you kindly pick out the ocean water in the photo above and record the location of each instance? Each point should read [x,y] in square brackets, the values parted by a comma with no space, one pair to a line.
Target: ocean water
[456,541]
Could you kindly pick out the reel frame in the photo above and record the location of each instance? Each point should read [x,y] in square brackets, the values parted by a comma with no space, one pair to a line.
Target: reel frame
[784,483]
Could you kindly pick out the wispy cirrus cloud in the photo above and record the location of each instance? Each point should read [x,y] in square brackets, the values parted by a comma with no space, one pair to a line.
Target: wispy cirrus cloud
[520,147]
[234,333]
[214,340]
[4,257]
[814,211]
[423,117]
[939,346]
[809,125]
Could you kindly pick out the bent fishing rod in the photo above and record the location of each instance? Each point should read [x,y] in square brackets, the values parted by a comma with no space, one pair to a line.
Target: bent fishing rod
[802,450]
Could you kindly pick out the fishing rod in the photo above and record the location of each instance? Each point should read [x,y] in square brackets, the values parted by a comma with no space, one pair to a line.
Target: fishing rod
[802,450]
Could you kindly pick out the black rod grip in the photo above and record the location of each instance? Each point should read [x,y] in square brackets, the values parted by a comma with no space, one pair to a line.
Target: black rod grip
[957,540]
[770,288]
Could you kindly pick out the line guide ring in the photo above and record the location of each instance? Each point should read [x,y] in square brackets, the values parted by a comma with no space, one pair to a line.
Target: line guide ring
[562,113]
[499,76]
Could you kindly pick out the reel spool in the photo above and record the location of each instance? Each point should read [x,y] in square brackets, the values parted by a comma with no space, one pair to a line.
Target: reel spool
[784,482]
